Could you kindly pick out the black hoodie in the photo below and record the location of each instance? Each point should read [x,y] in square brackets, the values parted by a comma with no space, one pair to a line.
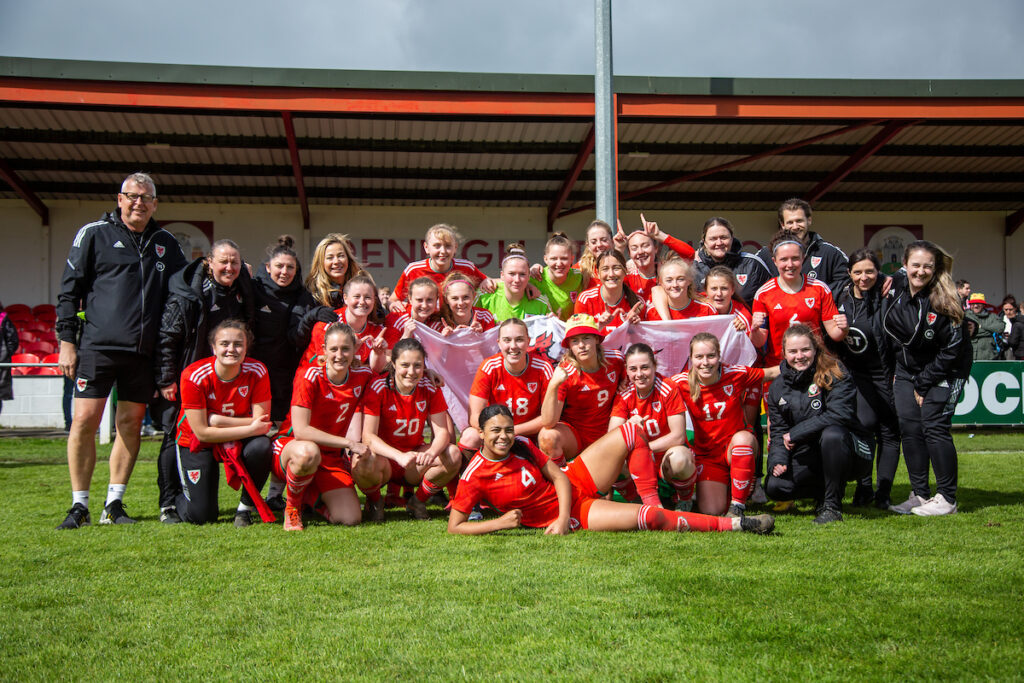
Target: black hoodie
[751,272]
[279,311]
[195,305]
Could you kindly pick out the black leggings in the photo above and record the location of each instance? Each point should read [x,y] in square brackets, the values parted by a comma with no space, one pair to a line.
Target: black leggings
[168,480]
[877,414]
[200,478]
[926,437]
[818,470]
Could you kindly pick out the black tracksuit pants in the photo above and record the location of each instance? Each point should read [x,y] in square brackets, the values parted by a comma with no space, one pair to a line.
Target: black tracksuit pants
[200,478]
[168,480]
[876,411]
[926,436]
[819,470]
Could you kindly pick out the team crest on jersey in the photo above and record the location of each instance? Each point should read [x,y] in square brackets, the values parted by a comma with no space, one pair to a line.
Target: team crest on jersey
[727,389]
[356,391]
[81,383]
[813,390]
[612,377]
[816,404]
[742,278]
[574,524]
[194,475]
[809,301]
[421,406]
[931,318]
[532,386]
[782,401]
[573,295]
[160,249]
[815,261]
[657,406]
[244,391]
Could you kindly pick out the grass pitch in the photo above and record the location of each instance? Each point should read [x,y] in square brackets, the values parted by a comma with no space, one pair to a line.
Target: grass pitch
[878,597]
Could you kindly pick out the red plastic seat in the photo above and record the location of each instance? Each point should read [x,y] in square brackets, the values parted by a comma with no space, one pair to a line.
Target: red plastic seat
[48,317]
[25,336]
[18,309]
[39,348]
[48,309]
[24,358]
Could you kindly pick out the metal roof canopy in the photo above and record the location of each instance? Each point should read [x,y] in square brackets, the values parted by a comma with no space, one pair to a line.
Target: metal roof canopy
[73,129]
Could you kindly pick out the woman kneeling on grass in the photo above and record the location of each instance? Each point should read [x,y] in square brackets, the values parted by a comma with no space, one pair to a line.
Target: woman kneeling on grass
[396,409]
[225,415]
[309,450]
[515,477]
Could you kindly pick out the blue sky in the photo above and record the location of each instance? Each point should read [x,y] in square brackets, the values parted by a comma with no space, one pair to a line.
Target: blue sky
[752,38]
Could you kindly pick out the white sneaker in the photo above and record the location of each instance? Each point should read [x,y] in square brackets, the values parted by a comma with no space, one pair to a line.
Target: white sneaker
[758,497]
[934,507]
[905,507]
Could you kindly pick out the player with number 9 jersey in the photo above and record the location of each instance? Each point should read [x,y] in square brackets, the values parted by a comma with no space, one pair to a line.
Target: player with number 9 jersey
[201,389]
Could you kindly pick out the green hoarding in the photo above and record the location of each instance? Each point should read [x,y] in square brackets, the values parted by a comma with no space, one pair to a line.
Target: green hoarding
[994,395]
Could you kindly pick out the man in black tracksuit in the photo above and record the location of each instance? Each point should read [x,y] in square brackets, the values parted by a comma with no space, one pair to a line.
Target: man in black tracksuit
[822,260]
[117,273]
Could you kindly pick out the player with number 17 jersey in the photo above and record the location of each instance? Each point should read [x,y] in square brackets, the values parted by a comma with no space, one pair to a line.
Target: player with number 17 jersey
[201,389]
[522,394]
[402,418]
[717,414]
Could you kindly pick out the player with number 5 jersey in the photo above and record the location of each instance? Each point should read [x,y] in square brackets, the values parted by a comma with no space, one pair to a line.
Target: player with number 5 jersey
[313,449]
[578,402]
[396,410]
[723,444]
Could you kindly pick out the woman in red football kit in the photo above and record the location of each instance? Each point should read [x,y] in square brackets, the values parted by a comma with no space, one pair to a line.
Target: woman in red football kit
[792,298]
[654,402]
[225,415]
[681,301]
[517,479]
[513,377]
[309,450]
[421,308]
[441,243]
[722,444]
[611,302]
[722,292]
[578,401]
[360,297]
[396,409]
[458,292]
[643,246]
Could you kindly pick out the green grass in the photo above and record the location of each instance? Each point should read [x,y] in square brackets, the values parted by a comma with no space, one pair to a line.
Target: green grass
[878,597]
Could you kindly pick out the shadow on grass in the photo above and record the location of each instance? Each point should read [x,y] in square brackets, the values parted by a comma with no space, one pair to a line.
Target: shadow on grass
[31,462]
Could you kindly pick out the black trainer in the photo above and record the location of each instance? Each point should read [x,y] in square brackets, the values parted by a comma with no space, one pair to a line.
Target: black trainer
[169,516]
[276,503]
[114,514]
[757,524]
[439,499]
[736,510]
[78,516]
[828,514]
[242,519]
[863,496]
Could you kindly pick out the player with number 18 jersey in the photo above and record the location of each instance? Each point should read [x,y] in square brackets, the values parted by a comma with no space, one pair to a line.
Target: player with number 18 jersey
[402,418]
[522,394]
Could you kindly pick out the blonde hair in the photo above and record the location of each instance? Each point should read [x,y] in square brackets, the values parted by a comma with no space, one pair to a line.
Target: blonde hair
[446,233]
[691,275]
[826,366]
[318,282]
[943,297]
[691,376]
[588,262]
[570,358]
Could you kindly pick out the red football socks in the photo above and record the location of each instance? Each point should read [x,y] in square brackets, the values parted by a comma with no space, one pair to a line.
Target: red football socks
[641,463]
[652,518]
[427,489]
[684,487]
[741,473]
[295,486]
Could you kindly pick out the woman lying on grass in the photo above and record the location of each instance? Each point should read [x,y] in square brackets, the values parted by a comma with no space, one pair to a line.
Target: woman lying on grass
[514,476]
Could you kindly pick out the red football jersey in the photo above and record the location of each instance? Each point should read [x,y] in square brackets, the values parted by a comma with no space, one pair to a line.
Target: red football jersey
[332,406]
[743,312]
[717,413]
[202,389]
[591,303]
[663,401]
[516,482]
[695,309]
[523,394]
[642,285]
[588,397]
[422,269]
[810,306]
[402,418]
[482,316]
[314,352]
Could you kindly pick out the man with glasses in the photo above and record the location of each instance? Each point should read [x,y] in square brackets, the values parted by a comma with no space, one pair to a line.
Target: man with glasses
[116,273]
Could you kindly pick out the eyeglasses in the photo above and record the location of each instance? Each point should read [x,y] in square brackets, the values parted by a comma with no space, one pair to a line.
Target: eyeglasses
[134,197]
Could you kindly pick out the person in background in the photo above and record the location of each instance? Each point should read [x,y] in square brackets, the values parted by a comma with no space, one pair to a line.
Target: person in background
[1009,309]
[384,294]
[8,347]
[963,290]
[1015,340]
[982,325]
[117,272]
[822,260]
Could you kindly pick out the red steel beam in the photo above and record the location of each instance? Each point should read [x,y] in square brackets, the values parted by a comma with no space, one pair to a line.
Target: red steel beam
[731,164]
[339,100]
[293,151]
[1014,221]
[24,191]
[866,151]
[586,149]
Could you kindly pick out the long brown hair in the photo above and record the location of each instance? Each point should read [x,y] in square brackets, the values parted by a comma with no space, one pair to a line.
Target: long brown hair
[691,376]
[943,296]
[826,365]
[631,297]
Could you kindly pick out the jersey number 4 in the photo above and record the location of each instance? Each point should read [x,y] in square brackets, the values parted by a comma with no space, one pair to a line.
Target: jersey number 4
[527,478]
